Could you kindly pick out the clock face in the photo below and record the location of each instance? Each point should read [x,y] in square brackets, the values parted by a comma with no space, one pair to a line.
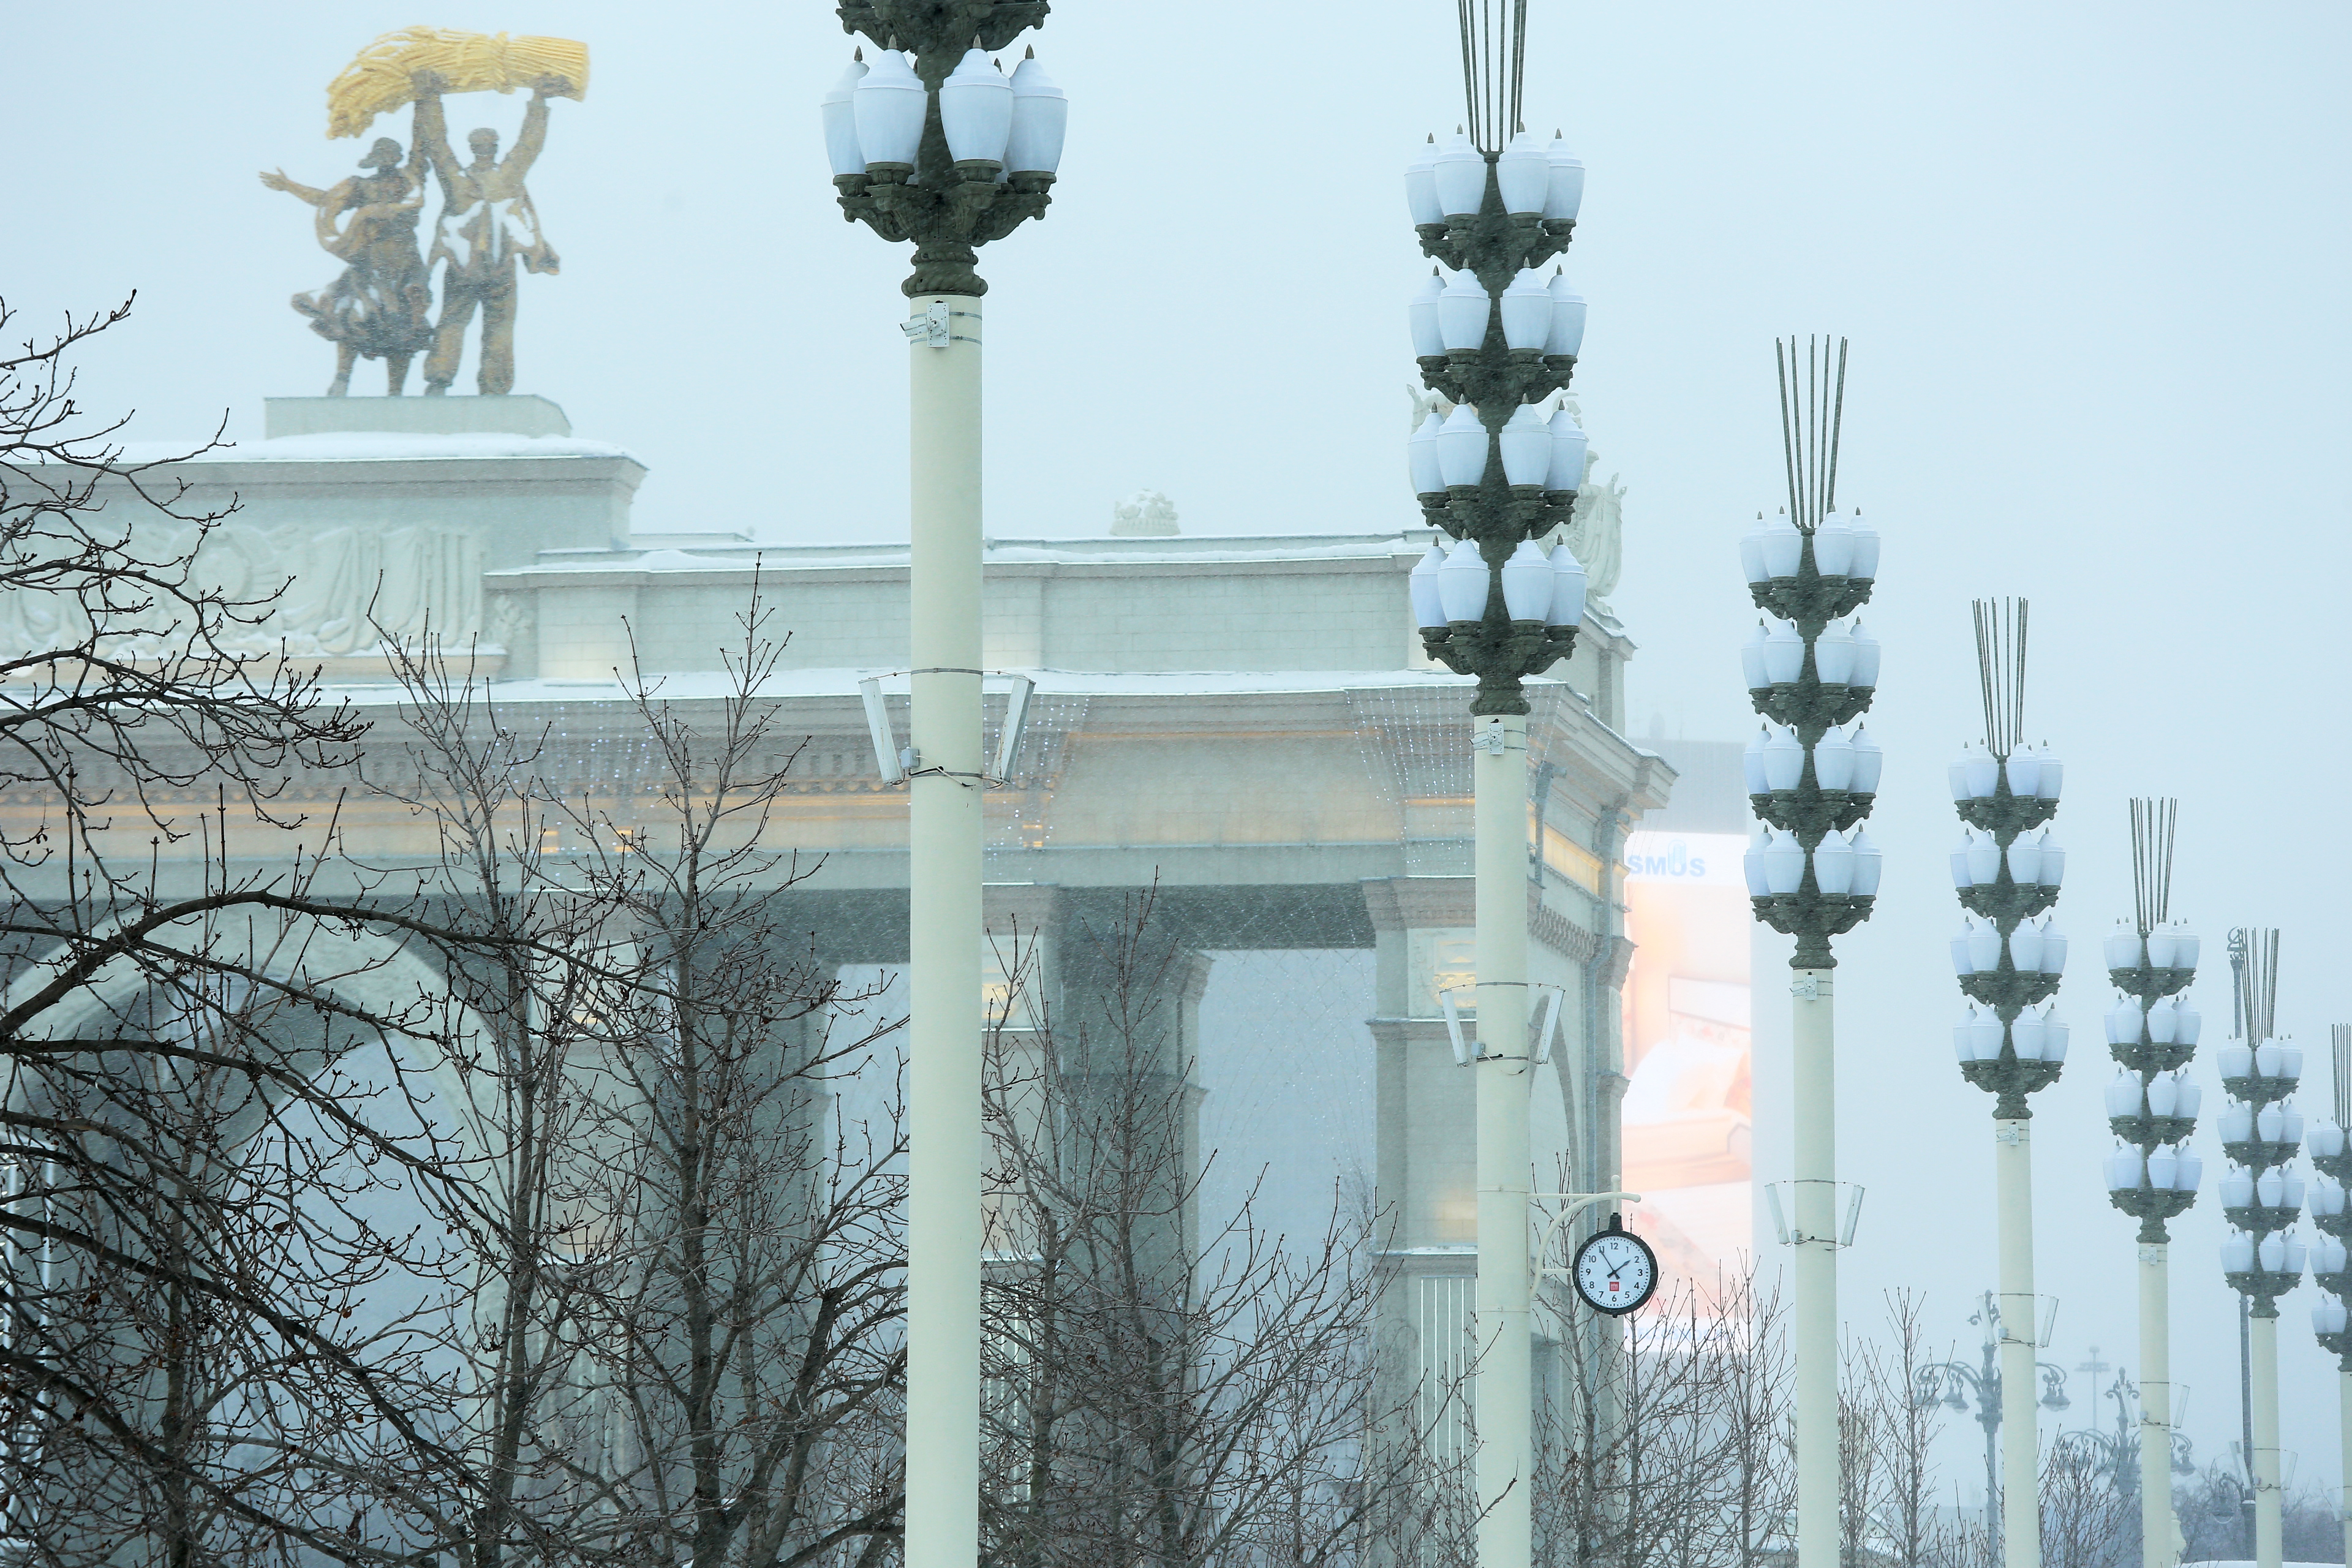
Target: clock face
[1615,1271]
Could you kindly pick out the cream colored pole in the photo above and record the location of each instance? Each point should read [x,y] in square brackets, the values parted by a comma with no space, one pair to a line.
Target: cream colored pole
[2343,1440]
[1504,1385]
[1814,1038]
[2021,1490]
[943,942]
[2156,1522]
[2269,1542]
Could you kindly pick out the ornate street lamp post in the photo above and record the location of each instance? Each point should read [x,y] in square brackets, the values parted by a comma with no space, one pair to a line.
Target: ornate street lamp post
[2331,1215]
[1496,341]
[1813,775]
[935,145]
[2152,1106]
[1953,1381]
[2003,792]
[2262,1195]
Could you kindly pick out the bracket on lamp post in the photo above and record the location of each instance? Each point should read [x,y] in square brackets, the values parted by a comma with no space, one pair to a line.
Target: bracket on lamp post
[1572,1204]
[1845,1231]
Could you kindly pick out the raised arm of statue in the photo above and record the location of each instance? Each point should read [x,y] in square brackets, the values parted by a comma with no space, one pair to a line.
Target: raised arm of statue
[429,140]
[277,181]
[532,139]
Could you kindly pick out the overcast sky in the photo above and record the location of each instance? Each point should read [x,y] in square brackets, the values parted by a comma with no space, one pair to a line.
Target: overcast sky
[2091,258]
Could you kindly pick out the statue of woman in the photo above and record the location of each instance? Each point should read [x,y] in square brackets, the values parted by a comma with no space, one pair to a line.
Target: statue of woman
[382,304]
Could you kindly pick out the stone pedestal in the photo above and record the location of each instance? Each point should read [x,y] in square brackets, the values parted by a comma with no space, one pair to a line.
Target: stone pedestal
[521,415]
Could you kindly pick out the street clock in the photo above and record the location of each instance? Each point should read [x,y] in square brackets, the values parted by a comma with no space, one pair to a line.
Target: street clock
[1615,1270]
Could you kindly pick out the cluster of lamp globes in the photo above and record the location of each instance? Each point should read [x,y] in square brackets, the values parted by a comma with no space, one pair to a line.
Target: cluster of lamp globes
[1452,314]
[2032,950]
[2175,1168]
[1535,179]
[2171,1021]
[1451,584]
[2031,774]
[1843,864]
[1453,449]
[2031,862]
[2037,1036]
[1844,546]
[874,116]
[1845,759]
[1844,655]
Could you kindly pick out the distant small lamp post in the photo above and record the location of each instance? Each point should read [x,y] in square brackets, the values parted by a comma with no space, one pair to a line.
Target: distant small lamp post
[2152,1106]
[1952,1383]
[2262,1258]
[2332,1215]
[2008,870]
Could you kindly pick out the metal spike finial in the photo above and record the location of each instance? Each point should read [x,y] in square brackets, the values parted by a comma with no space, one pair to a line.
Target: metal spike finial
[1812,420]
[1494,67]
[2151,831]
[2339,1036]
[2000,672]
[2254,951]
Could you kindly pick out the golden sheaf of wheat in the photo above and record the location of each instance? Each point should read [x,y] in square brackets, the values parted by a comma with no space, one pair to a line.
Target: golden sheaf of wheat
[378,82]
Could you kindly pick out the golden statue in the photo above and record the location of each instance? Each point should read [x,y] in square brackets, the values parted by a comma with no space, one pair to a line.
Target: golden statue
[379,305]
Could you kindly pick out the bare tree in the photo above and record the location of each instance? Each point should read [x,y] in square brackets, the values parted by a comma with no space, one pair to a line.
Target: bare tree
[190,1250]
[1164,1387]
[747,1261]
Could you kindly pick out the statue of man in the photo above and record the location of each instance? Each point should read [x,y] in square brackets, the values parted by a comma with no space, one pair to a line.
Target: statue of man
[486,224]
[381,305]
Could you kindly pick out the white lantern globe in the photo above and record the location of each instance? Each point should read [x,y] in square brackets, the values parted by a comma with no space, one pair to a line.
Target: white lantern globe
[1564,193]
[1460,175]
[1783,547]
[1420,186]
[1568,446]
[1526,443]
[1525,308]
[1421,456]
[888,107]
[1869,760]
[1565,339]
[1463,582]
[1040,120]
[1427,343]
[1869,863]
[1833,866]
[1461,448]
[1526,583]
[1834,761]
[840,116]
[1834,545]
[1784,760]
[1464,310]
[1833,655]
[1865,653]
[1428,608]
[976,110]
[1568,588]
[1784,653]
[1523,174]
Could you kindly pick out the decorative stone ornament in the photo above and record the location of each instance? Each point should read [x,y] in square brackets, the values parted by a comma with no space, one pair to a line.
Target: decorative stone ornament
[1511,475]
[946,187]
